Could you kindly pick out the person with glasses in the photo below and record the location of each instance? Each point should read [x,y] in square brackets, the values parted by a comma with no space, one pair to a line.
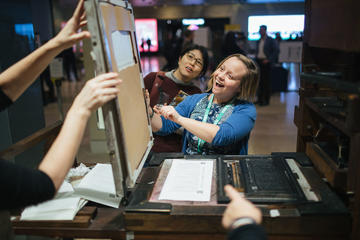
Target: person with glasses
[163,87]
[21,186]
[219,121]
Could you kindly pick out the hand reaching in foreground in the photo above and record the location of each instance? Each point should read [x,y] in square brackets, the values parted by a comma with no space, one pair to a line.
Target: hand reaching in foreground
[96,93]
[238,207]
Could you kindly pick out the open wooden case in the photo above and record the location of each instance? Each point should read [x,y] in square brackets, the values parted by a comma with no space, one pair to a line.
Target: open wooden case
[114,49]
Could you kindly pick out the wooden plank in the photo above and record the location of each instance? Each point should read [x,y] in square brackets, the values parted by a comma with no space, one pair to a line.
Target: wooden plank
[82,220]
[30,141]
[333,121]
[326,166]
[356,179]
[79,221]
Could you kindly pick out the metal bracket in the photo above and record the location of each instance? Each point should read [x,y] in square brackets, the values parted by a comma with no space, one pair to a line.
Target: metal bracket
[121,3]
[130,236]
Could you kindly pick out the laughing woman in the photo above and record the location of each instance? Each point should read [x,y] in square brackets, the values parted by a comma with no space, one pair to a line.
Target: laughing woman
[220,121]
[164,86]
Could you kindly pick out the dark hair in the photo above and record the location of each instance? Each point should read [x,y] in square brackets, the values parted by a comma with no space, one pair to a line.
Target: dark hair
[204,54]
[263,26]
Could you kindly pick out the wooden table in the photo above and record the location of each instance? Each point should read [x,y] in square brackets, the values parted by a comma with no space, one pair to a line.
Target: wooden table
[327,219]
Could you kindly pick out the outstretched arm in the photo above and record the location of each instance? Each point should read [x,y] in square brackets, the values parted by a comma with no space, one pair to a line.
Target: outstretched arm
[16,79]
[61,155]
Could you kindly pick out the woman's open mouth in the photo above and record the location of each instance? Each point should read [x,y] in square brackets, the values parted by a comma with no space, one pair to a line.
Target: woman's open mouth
[189,69]
[218,84]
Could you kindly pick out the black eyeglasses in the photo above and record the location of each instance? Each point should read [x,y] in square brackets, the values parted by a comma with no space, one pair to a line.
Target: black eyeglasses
[191,57]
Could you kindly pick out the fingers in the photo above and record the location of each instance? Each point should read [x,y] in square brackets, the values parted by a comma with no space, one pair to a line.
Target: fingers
[231,192]
[104,99]
[108,91]
[83,16]
[80,36]
[79,9]
[147,98]
[147,94]
[108,83]
[106,76]
[98,91]
[82,23]
[239,207]
[105,84]
[156,110]
[104,81]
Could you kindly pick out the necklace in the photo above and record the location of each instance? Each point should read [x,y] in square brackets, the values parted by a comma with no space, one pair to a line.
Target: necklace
[217,120]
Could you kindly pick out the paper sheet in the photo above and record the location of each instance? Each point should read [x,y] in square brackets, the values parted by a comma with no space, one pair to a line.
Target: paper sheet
[99,186]
[123,50]
[188,180]
[56,209]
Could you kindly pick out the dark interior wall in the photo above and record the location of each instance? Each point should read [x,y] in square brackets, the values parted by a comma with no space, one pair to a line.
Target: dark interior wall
[62,10]
[26,115]
[43,23]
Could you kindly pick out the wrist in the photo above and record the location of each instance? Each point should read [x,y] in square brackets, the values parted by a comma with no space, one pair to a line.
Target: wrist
[79,113]
[242,221]
[180,120]
[53,45]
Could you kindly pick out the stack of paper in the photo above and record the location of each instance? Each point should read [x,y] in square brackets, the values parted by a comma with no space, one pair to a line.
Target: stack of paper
[99,186]
[63,207]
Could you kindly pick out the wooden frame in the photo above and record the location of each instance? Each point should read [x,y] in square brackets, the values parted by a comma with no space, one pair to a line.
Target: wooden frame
[127,122]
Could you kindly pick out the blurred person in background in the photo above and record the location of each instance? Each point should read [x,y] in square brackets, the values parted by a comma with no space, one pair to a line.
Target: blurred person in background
[230,45]
[169,51]
[267,52]
[243,43]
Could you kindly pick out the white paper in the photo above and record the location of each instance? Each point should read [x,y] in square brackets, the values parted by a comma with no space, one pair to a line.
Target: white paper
[65,190]
[79,171]
[188,180]
[56,209]
[99,186]
[123,50]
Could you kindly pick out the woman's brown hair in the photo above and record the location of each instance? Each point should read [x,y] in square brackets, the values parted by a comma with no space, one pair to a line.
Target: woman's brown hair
[249,82]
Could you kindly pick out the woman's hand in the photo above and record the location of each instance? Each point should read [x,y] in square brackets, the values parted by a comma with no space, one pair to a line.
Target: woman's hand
[168,112]
[96,93]
[69,35]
